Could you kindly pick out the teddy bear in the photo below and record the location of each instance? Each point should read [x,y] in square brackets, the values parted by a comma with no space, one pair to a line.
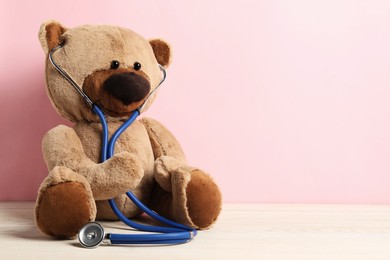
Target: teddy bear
[117,69]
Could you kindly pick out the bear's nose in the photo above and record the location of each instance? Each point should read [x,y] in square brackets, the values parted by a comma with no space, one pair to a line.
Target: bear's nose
[128,87]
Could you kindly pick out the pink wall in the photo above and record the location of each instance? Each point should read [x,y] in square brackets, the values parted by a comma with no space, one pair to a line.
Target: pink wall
[281,101]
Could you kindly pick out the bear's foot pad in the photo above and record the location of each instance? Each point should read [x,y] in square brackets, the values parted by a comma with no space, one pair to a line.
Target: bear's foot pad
[203,200]
[63,210]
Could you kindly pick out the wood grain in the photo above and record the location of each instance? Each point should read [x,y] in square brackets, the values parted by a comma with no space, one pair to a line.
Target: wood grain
[243,231]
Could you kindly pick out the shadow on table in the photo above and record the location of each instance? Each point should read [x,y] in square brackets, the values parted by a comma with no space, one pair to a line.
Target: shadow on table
[23,217]
[25,223]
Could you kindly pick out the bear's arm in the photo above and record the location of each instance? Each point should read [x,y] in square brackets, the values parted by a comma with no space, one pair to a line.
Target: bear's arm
[62,147]
[162,140]
[168,154]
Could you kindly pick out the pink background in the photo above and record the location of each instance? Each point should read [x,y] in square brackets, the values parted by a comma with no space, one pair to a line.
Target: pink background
[281,101]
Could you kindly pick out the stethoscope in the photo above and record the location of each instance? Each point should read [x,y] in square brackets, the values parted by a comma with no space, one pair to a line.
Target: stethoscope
[92,234]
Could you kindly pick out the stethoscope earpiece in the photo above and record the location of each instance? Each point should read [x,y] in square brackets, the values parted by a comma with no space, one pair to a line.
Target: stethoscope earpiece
[82,93]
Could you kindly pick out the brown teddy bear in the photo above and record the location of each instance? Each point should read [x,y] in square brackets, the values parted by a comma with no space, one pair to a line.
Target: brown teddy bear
[117,69]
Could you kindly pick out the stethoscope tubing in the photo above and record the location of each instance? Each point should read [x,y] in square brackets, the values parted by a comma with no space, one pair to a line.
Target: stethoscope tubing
[171,238]
[177,233]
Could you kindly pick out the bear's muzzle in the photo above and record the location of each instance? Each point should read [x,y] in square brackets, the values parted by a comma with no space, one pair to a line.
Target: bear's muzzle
[128,87]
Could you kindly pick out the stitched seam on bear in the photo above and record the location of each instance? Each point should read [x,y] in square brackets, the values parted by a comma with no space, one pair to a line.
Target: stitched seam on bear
[158,141]
[154,137]
[165,168]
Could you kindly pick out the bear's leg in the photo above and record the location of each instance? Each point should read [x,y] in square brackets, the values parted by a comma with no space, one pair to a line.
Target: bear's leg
[186,195]
[64,204]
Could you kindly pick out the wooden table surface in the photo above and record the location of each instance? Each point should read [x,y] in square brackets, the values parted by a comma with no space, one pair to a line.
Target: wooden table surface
[243,231]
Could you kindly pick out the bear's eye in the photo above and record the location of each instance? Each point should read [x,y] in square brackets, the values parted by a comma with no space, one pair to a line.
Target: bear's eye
[137,65]
[115,64]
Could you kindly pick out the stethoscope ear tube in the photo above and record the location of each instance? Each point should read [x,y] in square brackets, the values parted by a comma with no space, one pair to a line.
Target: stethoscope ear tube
[92,234]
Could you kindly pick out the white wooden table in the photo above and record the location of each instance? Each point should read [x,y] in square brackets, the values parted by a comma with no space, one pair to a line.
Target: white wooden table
[242,232]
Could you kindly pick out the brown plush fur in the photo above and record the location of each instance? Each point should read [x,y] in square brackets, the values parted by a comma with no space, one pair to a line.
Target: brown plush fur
[60,200]
[202,199]
[54,31]
[93,88]
[148,159]
[162,50]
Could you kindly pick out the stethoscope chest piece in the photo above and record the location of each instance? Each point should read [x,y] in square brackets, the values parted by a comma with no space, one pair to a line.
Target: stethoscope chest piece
[91,235]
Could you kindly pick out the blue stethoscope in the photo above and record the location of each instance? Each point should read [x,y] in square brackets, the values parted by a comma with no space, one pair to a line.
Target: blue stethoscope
[92,234]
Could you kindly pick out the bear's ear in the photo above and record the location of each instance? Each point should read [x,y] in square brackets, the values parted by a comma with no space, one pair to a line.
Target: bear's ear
[162,51]
[50,35]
